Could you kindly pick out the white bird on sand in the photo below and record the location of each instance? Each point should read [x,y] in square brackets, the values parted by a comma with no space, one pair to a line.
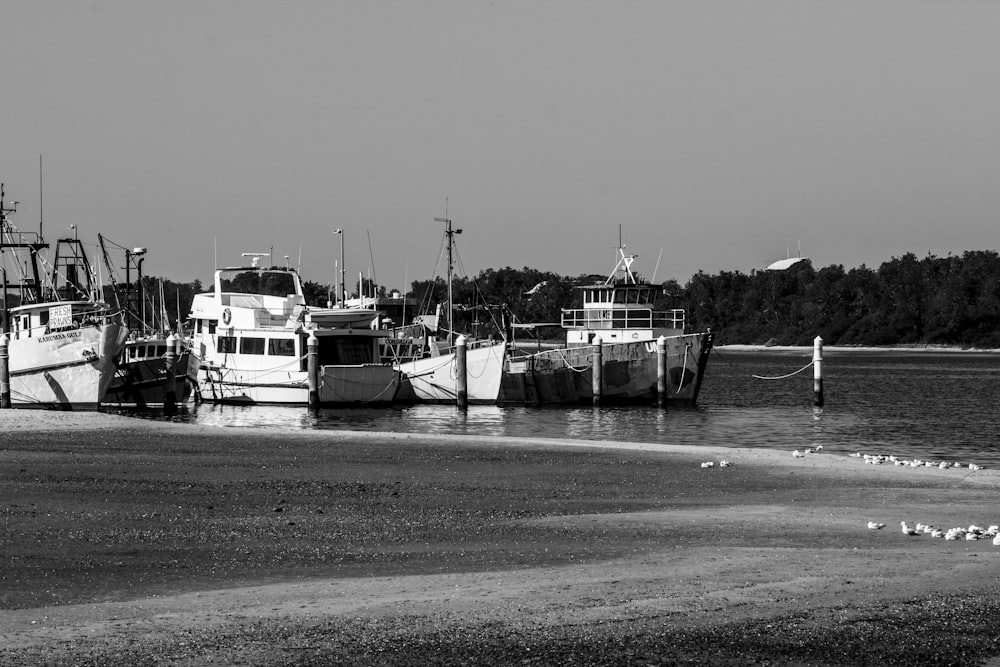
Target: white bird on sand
[993,530]
[724,463]
[906,529]
[797,454]
[707,464]
[972,536]
[874,525]
[937,532]
[996,541]
[973,466]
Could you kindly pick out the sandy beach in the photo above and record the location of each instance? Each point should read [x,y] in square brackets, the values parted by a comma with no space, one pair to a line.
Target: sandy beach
[133,542]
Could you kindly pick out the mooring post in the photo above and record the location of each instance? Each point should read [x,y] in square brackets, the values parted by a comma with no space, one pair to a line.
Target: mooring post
[461,373]
[170,382]
[4,372]
[312,368]
[661,372]
[818,372]
[598,371]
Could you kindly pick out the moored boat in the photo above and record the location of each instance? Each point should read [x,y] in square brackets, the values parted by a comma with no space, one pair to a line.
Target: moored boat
[251,334]
[618,320]
[141,374]
[426,354]
[141,377]
[62,339]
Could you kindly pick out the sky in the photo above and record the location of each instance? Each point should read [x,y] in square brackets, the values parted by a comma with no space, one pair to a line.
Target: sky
[707,135]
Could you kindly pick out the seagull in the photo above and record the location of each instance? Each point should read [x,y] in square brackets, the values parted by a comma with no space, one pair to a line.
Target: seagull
[797,454]
[707,464]
[973,466]
[937,532]
[906,529]
[724,463]
[873,525]
[996,541]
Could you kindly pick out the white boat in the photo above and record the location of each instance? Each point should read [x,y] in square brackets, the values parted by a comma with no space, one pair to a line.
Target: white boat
[62,339]
[251,335]
[426,356]
[620,313]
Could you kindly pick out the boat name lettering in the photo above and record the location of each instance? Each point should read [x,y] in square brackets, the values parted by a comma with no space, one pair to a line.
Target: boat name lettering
[58,336]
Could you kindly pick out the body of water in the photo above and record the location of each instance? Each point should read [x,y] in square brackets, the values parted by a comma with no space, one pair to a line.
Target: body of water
[931,405]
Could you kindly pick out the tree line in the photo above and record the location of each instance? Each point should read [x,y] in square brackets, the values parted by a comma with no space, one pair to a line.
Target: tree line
[953,300]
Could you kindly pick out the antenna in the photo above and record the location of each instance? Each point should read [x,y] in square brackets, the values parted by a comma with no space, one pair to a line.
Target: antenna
[371,254]
[40,199]
[656,268]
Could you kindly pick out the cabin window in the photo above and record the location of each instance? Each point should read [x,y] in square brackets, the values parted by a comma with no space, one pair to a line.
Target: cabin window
[197,326]
[620,295]
[211,326]
[281,347]
[132,351]
[345,351]
[161,350]
[250,345]
[227,345]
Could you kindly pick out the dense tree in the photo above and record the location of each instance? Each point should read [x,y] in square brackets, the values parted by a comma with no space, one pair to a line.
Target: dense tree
[952,300]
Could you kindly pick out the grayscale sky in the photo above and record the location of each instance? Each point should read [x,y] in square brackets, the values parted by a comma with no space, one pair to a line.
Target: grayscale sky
[717,135]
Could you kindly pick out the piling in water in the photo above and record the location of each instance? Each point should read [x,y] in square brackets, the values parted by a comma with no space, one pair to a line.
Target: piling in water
[312,366]
[597,377]
[4,373]
[461,374]
[818,372]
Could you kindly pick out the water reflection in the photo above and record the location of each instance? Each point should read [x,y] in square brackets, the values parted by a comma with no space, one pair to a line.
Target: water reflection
[931,406]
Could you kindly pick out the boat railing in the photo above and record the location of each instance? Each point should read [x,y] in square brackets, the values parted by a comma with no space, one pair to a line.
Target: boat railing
[622,318]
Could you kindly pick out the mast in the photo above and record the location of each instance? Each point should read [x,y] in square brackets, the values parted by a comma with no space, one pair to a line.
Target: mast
[450,235]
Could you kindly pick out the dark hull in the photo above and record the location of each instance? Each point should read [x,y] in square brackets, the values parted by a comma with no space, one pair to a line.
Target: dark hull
[142,382]
[629,373]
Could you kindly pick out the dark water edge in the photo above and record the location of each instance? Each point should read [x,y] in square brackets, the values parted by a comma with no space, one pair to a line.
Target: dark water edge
[939,405]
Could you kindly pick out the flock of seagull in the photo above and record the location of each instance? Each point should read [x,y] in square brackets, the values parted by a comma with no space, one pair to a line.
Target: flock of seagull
[970,533]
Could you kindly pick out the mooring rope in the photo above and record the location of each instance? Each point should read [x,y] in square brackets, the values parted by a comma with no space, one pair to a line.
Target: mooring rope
[782,377]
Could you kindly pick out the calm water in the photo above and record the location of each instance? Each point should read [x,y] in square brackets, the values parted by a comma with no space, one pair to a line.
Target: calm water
[933,405]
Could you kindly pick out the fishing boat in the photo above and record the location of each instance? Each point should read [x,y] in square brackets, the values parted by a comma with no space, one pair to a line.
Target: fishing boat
[426,354]
[252,332]
[618,321]
[142,378]
[62,338]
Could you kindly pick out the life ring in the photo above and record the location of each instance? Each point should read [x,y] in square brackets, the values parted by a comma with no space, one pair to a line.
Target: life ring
[227,316]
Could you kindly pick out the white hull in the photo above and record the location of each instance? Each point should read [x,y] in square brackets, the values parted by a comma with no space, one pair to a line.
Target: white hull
[69,370]
[366,384]
[434,379]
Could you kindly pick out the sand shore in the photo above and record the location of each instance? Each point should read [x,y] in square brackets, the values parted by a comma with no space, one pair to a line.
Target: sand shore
[133,542]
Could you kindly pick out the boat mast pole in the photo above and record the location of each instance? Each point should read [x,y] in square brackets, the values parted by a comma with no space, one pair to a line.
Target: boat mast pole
[450,235]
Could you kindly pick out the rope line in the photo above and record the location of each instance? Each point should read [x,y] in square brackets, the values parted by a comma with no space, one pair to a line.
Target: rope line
[782,377]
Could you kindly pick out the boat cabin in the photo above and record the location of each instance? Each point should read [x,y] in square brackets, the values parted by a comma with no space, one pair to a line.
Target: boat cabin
[257,318]
[621,309]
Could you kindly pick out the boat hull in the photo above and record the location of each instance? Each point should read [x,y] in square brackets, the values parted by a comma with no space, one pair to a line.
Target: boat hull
[142,382]
[340,385]
[435,379]
[65,370]
[629,373]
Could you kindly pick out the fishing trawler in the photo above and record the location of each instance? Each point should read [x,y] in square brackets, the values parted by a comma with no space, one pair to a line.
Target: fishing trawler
[251,335]
[62,338]
[619,320]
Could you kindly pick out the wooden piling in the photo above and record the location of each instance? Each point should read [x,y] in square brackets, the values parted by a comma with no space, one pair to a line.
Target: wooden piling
[170,381]
[461,373]
[661,373]
[597,376]
[4,372]
[818,372]
[312,366]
